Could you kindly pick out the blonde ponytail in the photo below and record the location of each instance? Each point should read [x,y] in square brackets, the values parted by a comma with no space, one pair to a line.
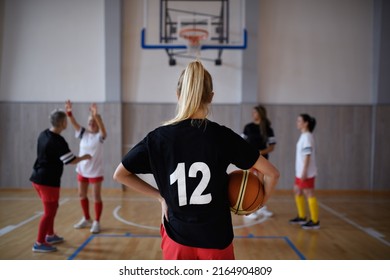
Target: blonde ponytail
[194,90]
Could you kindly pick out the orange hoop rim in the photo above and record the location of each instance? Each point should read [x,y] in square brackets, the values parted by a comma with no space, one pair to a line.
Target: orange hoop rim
[194,39]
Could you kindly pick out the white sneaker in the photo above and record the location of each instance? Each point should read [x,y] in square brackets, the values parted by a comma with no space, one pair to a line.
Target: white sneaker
[252,216]
[95,227]
[83,223]
[264,211]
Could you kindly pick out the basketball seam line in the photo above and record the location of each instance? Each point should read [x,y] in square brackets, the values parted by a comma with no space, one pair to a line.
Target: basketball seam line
[242,190]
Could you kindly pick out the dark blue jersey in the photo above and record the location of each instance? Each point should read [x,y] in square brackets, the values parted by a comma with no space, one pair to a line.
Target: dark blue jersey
[189,162]
[52,153]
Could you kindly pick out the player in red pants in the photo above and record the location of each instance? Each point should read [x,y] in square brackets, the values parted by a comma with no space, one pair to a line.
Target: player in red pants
[52,153]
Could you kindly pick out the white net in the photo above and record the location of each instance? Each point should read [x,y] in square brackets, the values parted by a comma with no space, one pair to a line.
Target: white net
[194,38]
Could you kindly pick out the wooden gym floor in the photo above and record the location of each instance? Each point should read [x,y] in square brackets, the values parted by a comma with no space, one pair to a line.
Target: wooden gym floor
[354,226]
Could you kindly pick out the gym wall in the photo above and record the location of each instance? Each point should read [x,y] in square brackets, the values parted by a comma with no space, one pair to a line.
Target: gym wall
[324,57]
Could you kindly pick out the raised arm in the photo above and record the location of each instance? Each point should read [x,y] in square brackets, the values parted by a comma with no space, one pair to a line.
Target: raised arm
[98,120]
[68,109]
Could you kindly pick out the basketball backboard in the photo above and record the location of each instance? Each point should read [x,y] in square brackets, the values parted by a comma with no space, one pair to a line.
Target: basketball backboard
[185,28]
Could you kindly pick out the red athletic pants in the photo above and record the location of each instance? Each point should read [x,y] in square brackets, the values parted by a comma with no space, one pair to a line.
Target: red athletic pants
[175,251]
[49,196]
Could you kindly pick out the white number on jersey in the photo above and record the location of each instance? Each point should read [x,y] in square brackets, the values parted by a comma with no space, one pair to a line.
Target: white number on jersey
[179,175]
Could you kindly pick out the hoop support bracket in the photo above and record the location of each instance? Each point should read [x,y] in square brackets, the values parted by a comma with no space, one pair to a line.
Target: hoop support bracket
[243,46]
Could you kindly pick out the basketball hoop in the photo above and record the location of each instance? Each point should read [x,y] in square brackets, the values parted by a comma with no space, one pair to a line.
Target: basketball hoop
[194,36]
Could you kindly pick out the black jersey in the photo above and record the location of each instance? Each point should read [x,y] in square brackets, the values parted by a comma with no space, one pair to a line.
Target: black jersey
[189,162]
[52,153]
[253,135]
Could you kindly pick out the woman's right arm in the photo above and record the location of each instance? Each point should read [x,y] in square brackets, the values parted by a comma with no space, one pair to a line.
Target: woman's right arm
[268,174]
[68,109]
[130,180]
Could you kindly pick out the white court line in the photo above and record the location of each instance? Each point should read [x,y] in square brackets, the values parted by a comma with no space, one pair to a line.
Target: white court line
[68,198]
[251,222]
[370,231]
[13,198]
[119,218]
[10,228]
[115,213]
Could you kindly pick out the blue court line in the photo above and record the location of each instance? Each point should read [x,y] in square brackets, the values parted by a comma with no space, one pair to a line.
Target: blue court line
[79,249]
[127,235]
[89,239]
[285,238]
[292,246]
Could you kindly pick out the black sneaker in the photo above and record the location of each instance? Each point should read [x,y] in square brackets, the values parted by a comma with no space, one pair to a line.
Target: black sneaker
[311,225]
[298,221]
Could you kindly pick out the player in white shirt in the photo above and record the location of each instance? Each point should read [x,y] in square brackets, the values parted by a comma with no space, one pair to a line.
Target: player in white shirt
[91,172]
[305,173]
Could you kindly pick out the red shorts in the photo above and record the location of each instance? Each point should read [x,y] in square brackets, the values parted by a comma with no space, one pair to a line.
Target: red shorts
[47,193]
[305,184]
[175,251]
[80,178]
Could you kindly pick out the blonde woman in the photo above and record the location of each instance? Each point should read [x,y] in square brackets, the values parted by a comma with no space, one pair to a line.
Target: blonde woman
[188,157]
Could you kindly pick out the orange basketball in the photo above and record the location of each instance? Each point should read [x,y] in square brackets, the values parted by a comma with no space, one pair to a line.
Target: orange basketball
[246,192]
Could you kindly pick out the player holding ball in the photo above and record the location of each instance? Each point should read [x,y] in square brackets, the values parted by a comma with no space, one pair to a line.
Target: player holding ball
[188,157]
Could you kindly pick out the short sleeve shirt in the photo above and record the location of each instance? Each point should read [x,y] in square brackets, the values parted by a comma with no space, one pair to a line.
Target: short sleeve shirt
[189,161]
[52,153]
[305,146]
[92,144]
[253,136]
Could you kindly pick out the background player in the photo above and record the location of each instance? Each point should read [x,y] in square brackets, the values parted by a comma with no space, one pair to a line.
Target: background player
[188,157]
[52,153]
[260,135]
[90,172]
[305,173]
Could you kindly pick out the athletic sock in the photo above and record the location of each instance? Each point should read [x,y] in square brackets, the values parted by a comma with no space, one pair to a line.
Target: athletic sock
[300,202]
[85,206]
[313,206]
[98,210]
